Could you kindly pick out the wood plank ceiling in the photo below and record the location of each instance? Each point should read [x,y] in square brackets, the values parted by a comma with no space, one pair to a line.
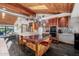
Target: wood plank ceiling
[9,19]
[28,9]
[51,7]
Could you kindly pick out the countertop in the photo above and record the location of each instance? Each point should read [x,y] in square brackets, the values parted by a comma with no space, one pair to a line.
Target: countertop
[29,33]
[32,33]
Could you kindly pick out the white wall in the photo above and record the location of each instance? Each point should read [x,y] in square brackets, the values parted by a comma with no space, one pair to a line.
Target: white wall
[74,24]
[74,21]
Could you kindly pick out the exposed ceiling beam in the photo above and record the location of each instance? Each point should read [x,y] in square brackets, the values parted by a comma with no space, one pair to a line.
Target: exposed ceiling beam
[16,8]
[54,16]
[11,13]
[22,7]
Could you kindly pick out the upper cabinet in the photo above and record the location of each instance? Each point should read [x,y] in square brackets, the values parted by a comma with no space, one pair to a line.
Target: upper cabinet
[63,22]
[60,22]
[52,22]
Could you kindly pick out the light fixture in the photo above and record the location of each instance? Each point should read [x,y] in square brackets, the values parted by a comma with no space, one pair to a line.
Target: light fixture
[3,14]
[38,7]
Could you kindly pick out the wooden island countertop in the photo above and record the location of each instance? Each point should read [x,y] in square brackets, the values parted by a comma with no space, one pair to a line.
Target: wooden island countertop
[33,41]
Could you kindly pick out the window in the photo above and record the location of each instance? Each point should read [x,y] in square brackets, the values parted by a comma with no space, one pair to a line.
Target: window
[4,30]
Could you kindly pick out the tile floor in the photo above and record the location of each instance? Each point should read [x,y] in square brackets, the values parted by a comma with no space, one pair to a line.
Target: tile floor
[60,49]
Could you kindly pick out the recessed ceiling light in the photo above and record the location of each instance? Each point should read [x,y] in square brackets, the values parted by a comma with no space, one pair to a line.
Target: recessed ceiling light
[38,7]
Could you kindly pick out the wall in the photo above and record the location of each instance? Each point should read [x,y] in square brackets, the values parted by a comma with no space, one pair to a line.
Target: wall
[74,24]
[74,20]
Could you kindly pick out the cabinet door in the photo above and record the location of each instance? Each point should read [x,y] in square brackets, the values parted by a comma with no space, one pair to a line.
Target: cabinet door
[52,22]
[63,22]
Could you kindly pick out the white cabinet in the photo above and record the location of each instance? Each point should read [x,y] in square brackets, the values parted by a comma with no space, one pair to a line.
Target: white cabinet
[67,38]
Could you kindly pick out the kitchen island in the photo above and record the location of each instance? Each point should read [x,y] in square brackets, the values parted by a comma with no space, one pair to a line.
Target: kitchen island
[34,42]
